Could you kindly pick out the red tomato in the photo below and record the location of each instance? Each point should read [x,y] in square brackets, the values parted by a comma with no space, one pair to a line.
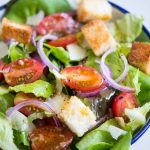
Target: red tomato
[82,78]
[21,97]
[123,101]
[50,138]
[23,71]
[64,41]
[2,64]
[58,24]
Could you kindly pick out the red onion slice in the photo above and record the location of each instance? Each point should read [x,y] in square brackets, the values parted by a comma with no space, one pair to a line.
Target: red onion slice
[33,41]
[36,103]
[110,81]
[43,105]
[41,53]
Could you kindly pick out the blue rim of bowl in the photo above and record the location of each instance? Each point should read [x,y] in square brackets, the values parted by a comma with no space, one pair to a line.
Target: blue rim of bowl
[144,129]
[3,7]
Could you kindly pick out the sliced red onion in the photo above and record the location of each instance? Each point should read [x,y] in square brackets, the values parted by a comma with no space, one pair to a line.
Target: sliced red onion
[36,103]
[33,41]
[110,81]
[109,72]
[41,53]
[90,94]
[42,105]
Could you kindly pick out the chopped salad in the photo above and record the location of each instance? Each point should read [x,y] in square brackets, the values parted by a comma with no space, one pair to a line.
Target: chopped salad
[72,76]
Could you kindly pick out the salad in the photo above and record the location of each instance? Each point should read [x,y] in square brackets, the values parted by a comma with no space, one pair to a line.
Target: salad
[72,77]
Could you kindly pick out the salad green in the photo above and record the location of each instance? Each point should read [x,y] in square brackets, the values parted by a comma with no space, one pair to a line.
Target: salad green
[57,92]
[39,88]
[29,8]
[6,134]
[127,29]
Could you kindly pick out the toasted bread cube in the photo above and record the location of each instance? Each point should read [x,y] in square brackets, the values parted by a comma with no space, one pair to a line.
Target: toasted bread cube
[140,56]
[78,117]
[11,30]
[94,9]
[98,36]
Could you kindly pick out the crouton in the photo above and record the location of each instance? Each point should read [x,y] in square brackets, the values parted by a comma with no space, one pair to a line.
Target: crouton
[140,56]
[78,117]
[12,30]
[94,9]
[98,36]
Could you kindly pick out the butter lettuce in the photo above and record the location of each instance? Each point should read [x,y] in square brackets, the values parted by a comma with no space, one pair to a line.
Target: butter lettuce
[21,140]
[127,29]
[136,116]
[6,101]
[91,60]
[100,139]
[39,88]
[6,134]
[58,52]
[117,66]
[16,52]
[22,9]
[123,143]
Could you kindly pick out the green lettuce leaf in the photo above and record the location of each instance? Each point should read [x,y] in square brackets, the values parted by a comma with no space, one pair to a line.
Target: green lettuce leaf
[39,88]
[39,115]
[117,66]
[100,146]
[21,140]
[98,137]
[137,118]
[4,89]
[144,96]
[6,101]
[91,60]
[127,29]
[17,52]
[58,52]
[22,9]
[6,134]
[93,138]
[20,122]
[123,143]
[144,80]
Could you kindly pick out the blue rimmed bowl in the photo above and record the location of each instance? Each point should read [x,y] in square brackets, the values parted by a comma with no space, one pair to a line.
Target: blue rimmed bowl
[117,13]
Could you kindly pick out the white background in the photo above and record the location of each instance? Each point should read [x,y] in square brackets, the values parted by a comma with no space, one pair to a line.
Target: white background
[139,7]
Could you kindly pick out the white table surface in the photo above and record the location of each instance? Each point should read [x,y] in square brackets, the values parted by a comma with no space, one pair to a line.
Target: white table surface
[139,7]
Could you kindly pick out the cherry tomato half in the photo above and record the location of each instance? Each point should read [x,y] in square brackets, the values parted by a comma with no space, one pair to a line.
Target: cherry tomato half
[123,101]
[22,71]
[58,24]
[50,138]
[64,41]
[82,78]
[28,110]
